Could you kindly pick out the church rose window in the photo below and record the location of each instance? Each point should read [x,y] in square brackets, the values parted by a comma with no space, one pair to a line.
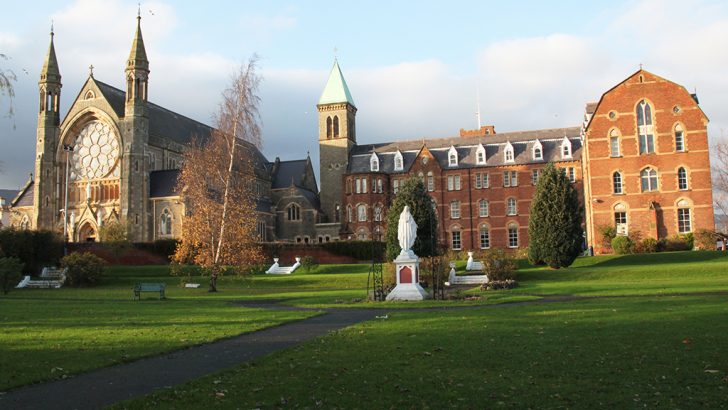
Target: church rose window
[95,152]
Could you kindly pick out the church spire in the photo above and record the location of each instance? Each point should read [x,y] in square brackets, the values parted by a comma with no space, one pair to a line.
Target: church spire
[336,90]
[49,85]
[137,71]
[50,72]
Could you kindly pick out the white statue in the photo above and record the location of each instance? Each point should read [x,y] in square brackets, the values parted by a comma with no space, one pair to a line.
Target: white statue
[73,219]
[88,191]
[406,230]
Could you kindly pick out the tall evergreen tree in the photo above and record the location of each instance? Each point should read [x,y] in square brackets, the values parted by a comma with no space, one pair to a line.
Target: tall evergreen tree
[554,225]
[422,208]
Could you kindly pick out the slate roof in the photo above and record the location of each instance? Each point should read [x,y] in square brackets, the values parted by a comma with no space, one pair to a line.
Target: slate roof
[8,194]
[162,122]
[522,142]
[25,197]
[163,183]
[289,171]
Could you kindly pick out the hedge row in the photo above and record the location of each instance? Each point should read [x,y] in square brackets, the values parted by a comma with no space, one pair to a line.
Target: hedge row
[35,249]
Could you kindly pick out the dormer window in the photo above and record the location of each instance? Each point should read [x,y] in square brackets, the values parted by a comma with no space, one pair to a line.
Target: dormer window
[565,148]
[508,153]
[374,163]
[398,161]
[452,157]
[480,155]
[537,151]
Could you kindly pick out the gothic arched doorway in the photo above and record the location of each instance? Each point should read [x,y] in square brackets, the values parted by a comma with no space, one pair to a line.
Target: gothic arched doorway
[87,233]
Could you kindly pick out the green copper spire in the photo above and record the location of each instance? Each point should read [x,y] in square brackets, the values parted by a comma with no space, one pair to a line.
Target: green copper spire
[336,90]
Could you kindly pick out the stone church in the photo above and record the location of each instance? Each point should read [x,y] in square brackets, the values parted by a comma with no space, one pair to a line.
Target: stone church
[115,156]
[639,159]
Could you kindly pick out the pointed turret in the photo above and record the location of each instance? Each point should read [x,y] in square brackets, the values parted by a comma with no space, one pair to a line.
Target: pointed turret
[50,73]
[336,90]
[137,72]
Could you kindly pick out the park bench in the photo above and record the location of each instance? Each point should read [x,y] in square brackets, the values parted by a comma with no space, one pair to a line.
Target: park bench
[149,287]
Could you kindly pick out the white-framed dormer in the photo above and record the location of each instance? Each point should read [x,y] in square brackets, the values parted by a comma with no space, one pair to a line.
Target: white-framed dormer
[374,162]
[398,161]
[480,155]
[452,157]
[508,153]
[537,151]
[566,148]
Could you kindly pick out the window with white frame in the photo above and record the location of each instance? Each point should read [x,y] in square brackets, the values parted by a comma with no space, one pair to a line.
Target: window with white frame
[535,175]
[357,182]
[379,185]
[679,138]
[537,152]
[645,128]
[398,161]
[395,186]
[510,178]
[565,148]
[484,237]
[453,183]
[361,212]
[648,177]
[684,221]
[617,186]
[364,185]
[294,212]
[452,157]
[455,238]
[513,235]
[511,206]
[508,153]
[378,213]
[349,214]
[571,172]
[430,181]
[165,227]
[614,150]
[483,208]
[682,179]
[374,163]
[620,220]
[455,209]
[480,155]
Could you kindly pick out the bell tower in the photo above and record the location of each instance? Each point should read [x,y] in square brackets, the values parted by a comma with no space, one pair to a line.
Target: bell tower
[135,130]
[45,198]
[337,136]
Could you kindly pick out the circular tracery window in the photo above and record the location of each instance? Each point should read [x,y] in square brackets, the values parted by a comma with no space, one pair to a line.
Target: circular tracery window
[95,152]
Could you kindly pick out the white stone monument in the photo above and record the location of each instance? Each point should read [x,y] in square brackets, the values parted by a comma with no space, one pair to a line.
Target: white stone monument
[407,264]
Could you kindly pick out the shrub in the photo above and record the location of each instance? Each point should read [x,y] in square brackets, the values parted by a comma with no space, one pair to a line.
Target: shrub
[10,272]
[499,265]
[706,239]
[678,243]
[622,245]
[309,263]
[647,245]
[412,193]
[499,284]
[359,250]
[83,268]
[607,233]
[35,249]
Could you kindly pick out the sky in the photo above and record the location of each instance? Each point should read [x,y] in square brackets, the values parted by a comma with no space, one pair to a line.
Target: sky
[415,68]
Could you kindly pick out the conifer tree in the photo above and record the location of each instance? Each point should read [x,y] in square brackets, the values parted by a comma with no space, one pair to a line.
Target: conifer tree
[412,192]
[554,225]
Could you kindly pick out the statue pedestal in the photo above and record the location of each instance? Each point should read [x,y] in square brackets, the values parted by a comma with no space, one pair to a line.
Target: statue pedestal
[407,266]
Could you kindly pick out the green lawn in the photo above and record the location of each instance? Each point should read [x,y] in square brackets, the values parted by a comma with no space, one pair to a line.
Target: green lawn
[666,352]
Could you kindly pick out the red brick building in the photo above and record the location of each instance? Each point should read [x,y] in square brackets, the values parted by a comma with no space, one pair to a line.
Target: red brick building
[639,160]
[646,161]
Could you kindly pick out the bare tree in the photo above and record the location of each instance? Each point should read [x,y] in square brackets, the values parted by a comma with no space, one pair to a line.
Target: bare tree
[7,77]
[720,177]
[217,179]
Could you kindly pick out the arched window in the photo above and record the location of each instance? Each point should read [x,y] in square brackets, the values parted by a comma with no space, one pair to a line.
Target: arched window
[398,161]
[565,148]
[349,214]
[620,219]
[684,219]
[329,128]
[484,234]
[512,235]
[508,152]
[374,163]
[679,138]
[452,157]
[361,212]
[614,150]
[165,223]
[378,213]
[430,181]
[336,126]
[617,182]
[25,223]
[358,185]
[483,210]
[380,188]
[537,151]
[361,234]
[455,238]
[480,155]
[294,212]
[511,206]
[648,176]
[337,213]
[682,179]
[645,128]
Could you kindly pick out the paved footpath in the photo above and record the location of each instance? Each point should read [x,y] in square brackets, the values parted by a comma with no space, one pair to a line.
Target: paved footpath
[109,385]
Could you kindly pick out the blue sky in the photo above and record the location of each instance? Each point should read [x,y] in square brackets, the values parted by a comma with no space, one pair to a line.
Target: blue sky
[412,67]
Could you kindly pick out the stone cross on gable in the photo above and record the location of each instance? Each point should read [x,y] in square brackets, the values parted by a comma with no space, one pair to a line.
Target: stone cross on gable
[91,70]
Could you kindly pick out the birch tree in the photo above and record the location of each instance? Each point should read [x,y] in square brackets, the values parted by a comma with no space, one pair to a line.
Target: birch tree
[218,179]
[720,178]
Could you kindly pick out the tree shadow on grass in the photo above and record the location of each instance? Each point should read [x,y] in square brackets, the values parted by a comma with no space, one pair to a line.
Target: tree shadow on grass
[663,258]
